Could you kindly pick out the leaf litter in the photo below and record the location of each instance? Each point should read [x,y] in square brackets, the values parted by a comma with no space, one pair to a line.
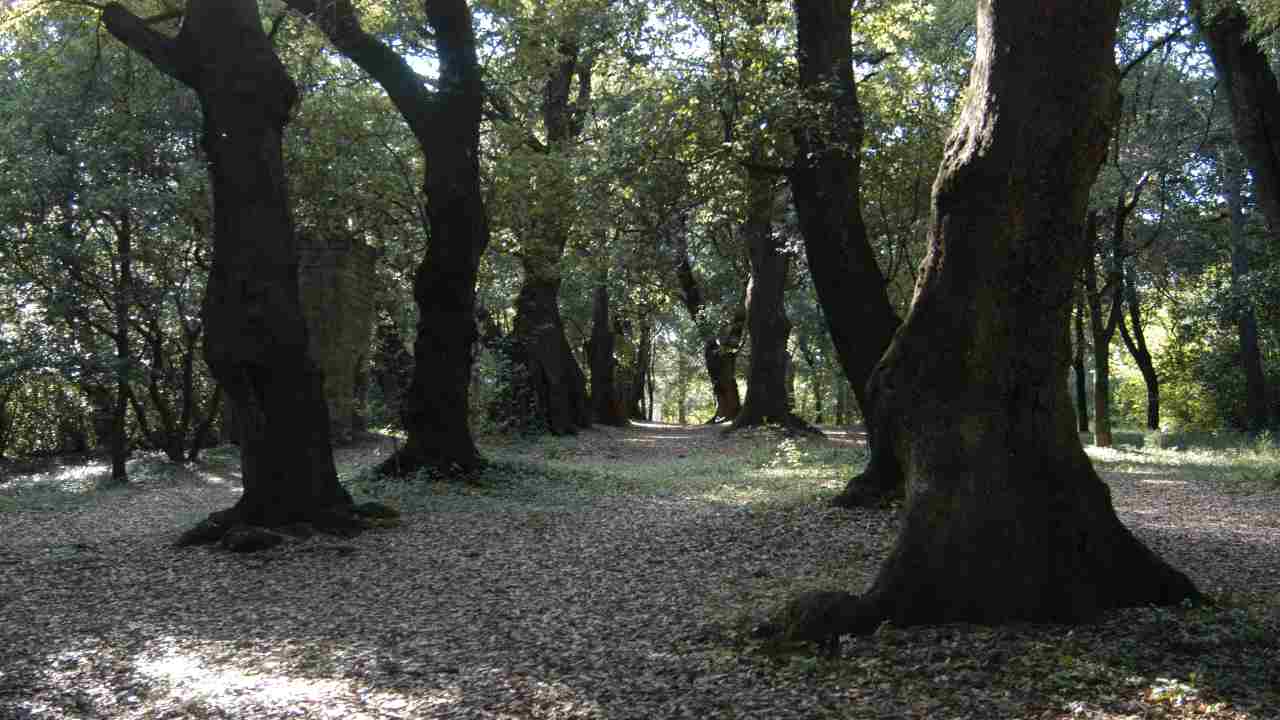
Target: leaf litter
[616,574]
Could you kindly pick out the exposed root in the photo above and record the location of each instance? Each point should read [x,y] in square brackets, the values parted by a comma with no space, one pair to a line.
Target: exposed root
[868,489]
[405,465]
[230,529]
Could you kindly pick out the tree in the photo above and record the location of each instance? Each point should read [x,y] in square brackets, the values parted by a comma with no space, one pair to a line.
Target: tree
[767,399]
[1005,518]
[1257,416]
[606,405]
[555,46]
[825,186]
[721,337]
[1253,95]
[256,340]
[446,124]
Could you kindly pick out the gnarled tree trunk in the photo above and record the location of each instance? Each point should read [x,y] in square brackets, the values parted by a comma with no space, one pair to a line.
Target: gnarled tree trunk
[826,186]
[767,399]
[1253,95]
[1005,518]
[256,340]
[557,383]
[719,345]
[446,124]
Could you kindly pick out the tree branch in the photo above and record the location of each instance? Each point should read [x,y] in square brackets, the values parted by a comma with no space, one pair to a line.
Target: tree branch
[161,50]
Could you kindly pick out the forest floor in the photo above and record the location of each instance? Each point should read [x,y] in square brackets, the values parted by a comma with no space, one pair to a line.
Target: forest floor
[615,574]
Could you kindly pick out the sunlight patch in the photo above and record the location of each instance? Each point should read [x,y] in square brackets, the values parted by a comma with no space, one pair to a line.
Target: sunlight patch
[191,679]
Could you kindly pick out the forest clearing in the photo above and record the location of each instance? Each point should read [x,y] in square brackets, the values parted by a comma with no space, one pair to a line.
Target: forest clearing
[613,574]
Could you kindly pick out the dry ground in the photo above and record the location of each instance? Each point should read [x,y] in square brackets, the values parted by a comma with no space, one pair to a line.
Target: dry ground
[611,575]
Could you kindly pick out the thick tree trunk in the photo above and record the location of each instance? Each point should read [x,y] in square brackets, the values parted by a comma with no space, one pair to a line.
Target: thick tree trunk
[1252,94]
[256,341]
[446,124]
[604,395]
[826,187]
[557,382]
[720,358]
[767,322]
[1005,519]
[1257,408]
[550,370]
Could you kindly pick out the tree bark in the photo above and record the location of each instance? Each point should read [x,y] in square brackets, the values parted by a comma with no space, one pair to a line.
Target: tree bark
[255,343]
[1077,364]
[1005,519]
[446,124]
[1257,408]
[558,383]
[826,188]
[604,395]
[1136,343]
[719,345]
[767,322]
[1253,96]
[1104,317]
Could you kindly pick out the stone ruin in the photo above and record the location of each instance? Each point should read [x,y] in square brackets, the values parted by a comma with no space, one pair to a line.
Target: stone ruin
[336,287]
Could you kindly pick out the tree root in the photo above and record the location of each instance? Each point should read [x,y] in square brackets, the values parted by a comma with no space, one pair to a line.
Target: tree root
[406,465]
[230,529]
[868,489]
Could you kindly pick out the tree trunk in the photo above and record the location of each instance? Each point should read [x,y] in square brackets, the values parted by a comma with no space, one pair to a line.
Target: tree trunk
[446,124]
[1005,519]
[1257,408]
[720,357]
[826,187]
[604,396]
[767,322]
[1077,364]
[1136,343]
[122,301]
[719,345]
[256,341]
[636,407]
[558,383]
[1104,316]
[1253,96]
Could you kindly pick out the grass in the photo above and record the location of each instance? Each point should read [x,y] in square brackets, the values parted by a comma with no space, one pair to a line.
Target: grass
[761,469]
[1235,462]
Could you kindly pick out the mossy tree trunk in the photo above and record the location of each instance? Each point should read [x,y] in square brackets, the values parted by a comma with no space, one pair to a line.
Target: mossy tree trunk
[1005,518]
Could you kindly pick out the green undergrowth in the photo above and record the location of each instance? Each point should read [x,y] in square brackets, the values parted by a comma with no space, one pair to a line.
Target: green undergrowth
[1243,465]
[760,469]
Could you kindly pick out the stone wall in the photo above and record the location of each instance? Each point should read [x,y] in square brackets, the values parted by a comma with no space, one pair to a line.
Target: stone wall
[336,286]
